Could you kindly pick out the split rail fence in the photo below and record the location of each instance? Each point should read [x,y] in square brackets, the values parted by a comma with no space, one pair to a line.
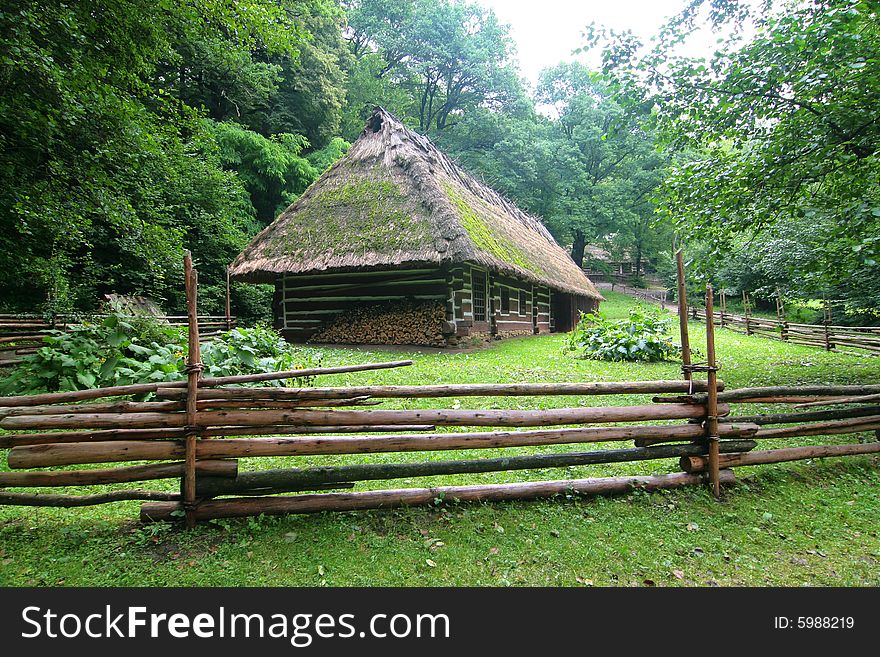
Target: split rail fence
[198,430]
[826,335]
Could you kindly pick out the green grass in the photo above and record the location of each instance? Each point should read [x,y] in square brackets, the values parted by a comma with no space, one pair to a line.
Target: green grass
[805,523]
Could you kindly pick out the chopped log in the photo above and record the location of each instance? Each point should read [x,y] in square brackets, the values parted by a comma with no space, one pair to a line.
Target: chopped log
[452,390]
[19,439]
[439,417]
[215,468]
[699,463]
[278,481]
[852,425]
[231,508]
[35,456]
[813,416]
[144,388]
[41,499]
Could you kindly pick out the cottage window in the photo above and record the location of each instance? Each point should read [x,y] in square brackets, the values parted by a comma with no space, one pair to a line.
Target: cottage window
[522,303]
[505,300]
[478,279]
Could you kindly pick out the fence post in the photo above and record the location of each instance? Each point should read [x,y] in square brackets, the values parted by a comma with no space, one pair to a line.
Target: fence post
[193,373]
[712,397]
[826,320]
[228,304]
[746,310]
[723,306]
[683,318]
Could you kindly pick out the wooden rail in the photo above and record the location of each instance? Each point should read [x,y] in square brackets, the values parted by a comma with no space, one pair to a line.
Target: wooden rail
[187,432]
[825,336]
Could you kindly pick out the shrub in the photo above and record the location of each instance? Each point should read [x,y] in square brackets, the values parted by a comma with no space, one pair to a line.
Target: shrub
[641,337]
[119,351]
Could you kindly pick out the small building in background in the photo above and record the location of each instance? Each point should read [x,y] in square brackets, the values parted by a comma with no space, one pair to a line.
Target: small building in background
[395,244]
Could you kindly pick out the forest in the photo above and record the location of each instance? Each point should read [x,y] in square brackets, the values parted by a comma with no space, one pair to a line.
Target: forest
[131,130]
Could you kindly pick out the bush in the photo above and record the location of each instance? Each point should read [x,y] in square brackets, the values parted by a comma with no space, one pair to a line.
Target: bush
[641,337]
[119,351]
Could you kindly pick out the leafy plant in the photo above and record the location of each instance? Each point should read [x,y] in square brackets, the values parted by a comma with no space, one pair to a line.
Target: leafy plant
[643,336]
[120,350]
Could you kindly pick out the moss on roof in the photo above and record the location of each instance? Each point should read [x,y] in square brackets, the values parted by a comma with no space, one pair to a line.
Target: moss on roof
[395,200]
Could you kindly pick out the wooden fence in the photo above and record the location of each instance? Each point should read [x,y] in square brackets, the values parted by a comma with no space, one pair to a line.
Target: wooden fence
[199,429]
[826,336]
[23,334]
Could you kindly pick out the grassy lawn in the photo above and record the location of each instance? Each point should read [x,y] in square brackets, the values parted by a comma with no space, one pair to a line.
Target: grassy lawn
[807,523]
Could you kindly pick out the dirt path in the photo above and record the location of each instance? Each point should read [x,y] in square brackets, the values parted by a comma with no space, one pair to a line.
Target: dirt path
[655,297]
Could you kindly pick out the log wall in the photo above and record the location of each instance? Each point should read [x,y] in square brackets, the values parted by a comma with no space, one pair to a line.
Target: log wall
[318,308]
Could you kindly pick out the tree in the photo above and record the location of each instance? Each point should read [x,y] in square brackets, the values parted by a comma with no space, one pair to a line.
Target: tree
[451,57]
[107,171]
[607,159]
[781,128]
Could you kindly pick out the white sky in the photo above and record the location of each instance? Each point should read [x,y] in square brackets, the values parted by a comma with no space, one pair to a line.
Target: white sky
[547,31]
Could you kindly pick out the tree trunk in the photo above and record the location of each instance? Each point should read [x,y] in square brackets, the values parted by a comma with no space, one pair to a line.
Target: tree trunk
[578,247]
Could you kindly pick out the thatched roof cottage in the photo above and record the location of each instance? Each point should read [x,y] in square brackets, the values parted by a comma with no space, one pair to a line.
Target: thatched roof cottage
[396,244]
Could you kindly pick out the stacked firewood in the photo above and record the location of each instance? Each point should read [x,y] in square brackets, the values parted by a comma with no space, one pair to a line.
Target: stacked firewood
[408,322]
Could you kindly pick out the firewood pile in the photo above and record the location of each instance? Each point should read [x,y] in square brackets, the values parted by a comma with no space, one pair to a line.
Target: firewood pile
[409,322]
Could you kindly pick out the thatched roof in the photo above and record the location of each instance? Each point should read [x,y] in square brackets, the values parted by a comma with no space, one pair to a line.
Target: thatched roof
[395,200]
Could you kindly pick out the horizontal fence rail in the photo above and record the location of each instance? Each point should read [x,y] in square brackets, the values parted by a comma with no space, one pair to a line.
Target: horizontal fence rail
[825,336]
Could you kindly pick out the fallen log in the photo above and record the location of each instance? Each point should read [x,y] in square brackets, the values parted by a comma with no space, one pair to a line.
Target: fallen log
[35,456]
[279,481]
[231,508]
[206,382]
[693,463]
[214,468]
[20,439]
[41,499]
[439,417]
[452,390]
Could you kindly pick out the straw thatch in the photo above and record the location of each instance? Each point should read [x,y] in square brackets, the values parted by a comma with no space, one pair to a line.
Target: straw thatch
[395,200]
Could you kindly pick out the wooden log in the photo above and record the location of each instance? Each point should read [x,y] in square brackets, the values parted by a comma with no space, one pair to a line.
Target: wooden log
[725,430]
[231,508]
[33,456]
[694,464]
[683,318]
[712,397]
[277,481]
[217,469]
[439,417]
[843,400]
[14,440]
[806,390]
[788,399]
[43,499]
[107,452]
[452,390]
[193,374]
[812,416]
[144,388]
[853,425]
[170,406]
